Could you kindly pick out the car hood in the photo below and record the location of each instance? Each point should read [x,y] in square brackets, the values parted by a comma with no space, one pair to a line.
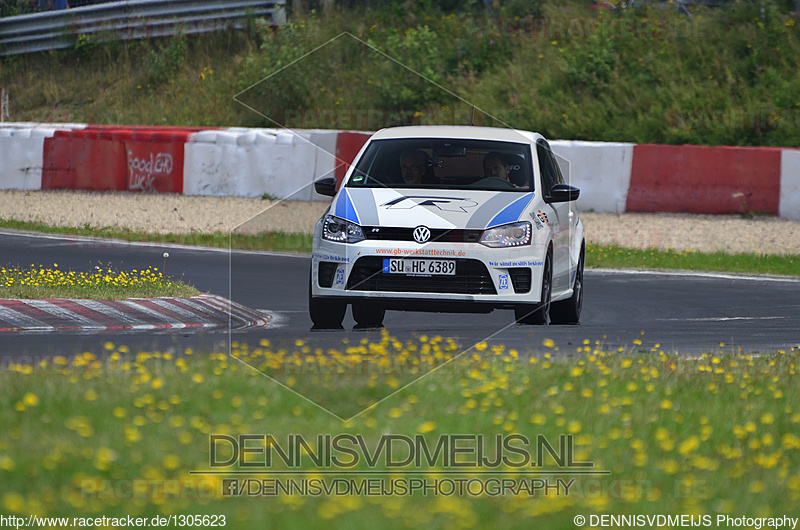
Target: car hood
[433,208]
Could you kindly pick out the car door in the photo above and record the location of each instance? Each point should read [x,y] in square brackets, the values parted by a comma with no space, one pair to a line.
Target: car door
[558,216]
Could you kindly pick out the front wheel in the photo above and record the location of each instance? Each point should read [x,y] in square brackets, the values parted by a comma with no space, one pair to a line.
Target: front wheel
[368,315]
[325,313]
[526,314]
[569,311]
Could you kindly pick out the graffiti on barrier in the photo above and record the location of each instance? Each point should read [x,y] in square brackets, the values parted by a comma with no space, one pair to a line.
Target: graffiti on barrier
[142,172]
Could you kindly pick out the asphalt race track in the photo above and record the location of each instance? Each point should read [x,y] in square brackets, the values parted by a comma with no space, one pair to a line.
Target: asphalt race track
[688,313]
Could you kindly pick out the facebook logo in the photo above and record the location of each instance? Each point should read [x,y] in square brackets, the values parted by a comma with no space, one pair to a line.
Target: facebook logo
[503,281]
[230,487]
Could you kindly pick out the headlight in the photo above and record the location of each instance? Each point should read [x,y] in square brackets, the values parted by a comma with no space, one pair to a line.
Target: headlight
[511,235]
[336,229]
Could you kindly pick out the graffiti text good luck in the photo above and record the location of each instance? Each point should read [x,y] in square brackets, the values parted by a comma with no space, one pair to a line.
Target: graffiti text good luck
[143,171]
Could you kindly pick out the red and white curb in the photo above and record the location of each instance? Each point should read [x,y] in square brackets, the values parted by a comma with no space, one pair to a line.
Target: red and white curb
[204,312]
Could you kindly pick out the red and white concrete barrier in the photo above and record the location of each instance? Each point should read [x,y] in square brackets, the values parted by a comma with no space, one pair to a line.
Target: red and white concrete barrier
[613,177]
[250,163]
[601,170]
[789,205]
[21,153]
[114,158]
[709,180]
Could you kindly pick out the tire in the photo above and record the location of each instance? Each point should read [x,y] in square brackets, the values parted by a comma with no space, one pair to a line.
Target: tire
[538,315]
[368,315]
[324,313]
[569,311]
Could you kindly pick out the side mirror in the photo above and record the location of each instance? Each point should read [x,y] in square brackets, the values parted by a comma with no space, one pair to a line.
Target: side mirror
[326,186]
[564,193]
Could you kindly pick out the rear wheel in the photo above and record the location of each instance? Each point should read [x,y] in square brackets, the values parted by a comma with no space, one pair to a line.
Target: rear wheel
[368,314]
[538,315]
[569,311]
[325,313]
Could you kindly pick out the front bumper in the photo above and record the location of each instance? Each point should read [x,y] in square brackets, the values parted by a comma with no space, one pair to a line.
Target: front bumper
[485,278]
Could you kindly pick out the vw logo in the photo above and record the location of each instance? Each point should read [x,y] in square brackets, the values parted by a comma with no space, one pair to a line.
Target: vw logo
[422,234]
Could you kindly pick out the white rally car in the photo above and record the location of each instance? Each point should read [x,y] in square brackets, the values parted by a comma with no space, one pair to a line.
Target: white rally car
[441,218]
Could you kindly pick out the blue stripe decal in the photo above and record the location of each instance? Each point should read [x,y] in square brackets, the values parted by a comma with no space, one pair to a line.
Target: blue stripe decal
[345,209]
[511,213]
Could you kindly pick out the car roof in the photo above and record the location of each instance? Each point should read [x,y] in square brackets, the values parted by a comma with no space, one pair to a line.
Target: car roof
[449,131]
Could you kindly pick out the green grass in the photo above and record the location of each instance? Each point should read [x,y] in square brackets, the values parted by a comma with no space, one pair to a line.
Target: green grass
[717,434]
[270,241]
[617,257]
[103,282]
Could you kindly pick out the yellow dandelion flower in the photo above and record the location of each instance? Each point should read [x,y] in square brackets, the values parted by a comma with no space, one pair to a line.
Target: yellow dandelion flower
[790,441]
[689,445]
[426,427]
[13,502]
[6,463]
[538,419]
[171,462]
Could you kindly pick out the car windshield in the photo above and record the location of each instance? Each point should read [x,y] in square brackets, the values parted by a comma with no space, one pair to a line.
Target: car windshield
[442,163]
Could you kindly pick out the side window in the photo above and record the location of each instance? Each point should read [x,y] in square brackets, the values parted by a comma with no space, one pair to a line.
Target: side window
[546,166]
[558,178]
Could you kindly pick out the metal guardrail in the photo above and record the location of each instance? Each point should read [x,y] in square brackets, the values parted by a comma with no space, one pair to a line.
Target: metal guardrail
[135,19]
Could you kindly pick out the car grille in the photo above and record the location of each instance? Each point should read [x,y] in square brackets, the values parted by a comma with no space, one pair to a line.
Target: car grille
[521,279]
[391,233]
[471,277]
[326,272]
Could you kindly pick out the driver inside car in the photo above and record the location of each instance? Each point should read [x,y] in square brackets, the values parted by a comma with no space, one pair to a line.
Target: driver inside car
[495,166]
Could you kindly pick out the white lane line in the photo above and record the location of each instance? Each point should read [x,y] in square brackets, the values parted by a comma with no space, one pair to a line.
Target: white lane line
[17,319]
[121,243]
[717,319]
[695,274]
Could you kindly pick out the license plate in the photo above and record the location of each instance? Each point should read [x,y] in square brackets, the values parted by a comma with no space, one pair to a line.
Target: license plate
[437,267]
